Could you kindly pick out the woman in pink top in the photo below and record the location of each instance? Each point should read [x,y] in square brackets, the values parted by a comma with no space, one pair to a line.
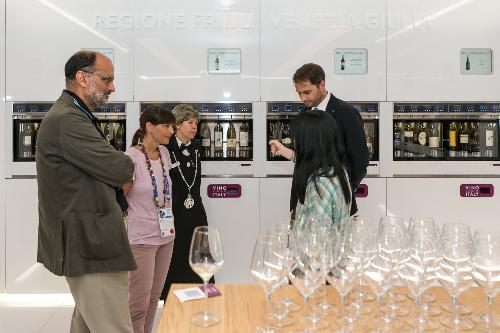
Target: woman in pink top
[150,220]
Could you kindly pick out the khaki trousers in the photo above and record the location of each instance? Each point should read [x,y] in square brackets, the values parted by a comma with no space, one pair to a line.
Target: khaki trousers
[146,283]
[101,303]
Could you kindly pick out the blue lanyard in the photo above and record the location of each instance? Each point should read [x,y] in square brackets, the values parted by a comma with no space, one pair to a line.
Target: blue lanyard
[91,117]
[166,188]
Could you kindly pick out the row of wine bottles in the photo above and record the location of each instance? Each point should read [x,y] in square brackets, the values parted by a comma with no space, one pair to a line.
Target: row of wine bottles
[445,138]
[27,133]
[229,140]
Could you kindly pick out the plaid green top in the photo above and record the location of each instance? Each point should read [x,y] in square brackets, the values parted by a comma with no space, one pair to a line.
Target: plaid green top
[326,204]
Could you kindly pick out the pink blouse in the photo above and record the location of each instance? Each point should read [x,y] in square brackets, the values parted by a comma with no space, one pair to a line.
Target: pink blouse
[142,219]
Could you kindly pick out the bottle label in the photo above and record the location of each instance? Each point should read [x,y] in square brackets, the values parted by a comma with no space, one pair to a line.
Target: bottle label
[409,134]
[464,138]
[286,141]
[434,141]
[218,139]
[490,142]
[453,139]
[27,140]
[231,143]
[205,142]
[243,139]
[422,138]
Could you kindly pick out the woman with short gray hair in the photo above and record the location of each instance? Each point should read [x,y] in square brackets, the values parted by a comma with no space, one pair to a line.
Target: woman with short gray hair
[187,206]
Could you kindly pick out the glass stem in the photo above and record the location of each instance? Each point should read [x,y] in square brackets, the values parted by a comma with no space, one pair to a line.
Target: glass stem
[489,314]
[455,311]
[324,293]
[268,308]
[306,305]
[205,288]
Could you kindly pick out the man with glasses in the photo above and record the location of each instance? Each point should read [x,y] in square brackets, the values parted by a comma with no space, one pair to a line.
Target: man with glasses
[81,232]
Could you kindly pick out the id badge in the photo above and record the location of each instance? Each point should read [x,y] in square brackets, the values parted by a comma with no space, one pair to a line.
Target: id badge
[166,219]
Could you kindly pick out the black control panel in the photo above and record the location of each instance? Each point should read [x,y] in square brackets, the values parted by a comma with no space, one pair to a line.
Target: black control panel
[280,107]
[45,107]
[440,107]
[208,107]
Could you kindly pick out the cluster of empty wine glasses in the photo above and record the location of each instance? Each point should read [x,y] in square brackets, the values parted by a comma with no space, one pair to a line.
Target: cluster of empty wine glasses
[379,255]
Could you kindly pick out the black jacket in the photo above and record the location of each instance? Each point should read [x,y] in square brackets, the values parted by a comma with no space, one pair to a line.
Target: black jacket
[352,135]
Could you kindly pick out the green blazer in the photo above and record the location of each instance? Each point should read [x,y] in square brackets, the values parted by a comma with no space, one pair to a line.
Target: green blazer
[81,228]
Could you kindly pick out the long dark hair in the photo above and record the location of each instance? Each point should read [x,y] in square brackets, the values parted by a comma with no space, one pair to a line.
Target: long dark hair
[154,114]
[318,152]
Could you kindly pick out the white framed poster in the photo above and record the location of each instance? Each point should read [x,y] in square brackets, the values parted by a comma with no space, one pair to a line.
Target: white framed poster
[224,61]
[476,61]
[351,61]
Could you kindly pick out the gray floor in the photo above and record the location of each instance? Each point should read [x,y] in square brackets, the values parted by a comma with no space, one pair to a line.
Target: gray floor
[35,313]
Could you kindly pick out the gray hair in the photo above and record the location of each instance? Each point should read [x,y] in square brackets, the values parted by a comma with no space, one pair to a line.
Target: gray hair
[185,112]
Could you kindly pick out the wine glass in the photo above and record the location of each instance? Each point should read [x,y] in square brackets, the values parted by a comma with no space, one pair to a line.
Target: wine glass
[418,271]
[486,263]
[455,271]
[205,259]
[426,227]
[286,237]
[359,247]
[330,256]
[269,272]
[307,275]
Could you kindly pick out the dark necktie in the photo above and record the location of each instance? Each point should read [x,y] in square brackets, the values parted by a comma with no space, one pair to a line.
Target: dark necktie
[182,147]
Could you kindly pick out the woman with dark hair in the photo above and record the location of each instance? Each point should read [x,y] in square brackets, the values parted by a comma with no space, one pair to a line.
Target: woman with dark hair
[150,219]
[322,184]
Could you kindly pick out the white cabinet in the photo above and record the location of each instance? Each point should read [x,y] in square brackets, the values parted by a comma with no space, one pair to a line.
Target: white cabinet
[440,198]
[274,201]
[374,203]
[295,33]
[172,39]
[42,35]
[238,222]
[424,39]
[23,273]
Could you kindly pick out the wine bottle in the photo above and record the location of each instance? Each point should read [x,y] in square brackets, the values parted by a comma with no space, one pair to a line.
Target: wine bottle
[464,139]
[34,133]
[231,141]
[218,152]
[244,129]
[452,137]
[489,137]
[396,135]
[25,141]
[467,64]
[408,138]
[342,63]
[206,140]
[120,138]
[422,134]
[434,139]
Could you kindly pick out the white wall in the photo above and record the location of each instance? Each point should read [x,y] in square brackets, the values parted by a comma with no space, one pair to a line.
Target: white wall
[423,49]
[162,56]
[43,34]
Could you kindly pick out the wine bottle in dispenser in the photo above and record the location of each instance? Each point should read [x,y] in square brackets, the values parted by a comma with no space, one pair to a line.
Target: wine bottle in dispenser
[34,133]
[452,138]
[206,140]
[464,139]
[396,137]
[218,152]
[489,139]
[286,140]
[120,138]
[244,140]
[434,139]
[231,141]
[25,140]
[474,142]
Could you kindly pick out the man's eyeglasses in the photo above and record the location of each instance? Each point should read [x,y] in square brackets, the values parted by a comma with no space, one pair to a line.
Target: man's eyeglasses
[106,79]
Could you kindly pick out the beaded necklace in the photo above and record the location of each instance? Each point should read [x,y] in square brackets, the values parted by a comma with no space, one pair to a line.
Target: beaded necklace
[166,190]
